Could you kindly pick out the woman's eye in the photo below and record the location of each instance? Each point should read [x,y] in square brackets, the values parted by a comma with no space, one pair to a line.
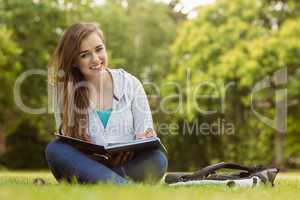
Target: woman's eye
[99,49]
[82,55]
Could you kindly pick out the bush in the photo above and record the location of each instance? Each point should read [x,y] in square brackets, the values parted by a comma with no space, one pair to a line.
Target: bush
[25,148]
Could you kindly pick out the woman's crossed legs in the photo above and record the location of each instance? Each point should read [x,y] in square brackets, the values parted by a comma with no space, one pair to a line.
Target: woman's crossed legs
[66,162]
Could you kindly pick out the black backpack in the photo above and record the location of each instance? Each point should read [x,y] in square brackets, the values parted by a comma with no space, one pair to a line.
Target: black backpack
[246,176]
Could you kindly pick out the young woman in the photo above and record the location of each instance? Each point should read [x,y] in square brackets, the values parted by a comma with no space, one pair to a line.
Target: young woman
[100,105]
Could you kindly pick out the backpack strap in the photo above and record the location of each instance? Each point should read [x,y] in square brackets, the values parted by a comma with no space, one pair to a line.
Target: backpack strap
[203,173]
[209,172]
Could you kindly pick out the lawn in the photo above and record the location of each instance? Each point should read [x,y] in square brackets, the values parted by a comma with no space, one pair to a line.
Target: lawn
[18,185]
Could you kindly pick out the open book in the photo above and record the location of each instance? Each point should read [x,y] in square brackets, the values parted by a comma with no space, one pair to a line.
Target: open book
[135,145]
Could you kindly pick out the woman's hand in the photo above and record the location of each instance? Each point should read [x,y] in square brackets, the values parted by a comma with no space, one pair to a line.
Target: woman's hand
[148,133]
[120,158]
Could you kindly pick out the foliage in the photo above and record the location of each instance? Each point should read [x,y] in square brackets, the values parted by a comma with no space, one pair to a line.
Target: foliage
[226,50]
[230,47]
[136,40]
[24,144]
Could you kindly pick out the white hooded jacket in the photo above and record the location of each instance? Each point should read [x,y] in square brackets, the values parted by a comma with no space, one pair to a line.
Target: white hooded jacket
[130,115]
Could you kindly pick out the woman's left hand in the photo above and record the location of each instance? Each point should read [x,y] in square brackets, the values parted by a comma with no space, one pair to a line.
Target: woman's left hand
[146,134]
[120,158]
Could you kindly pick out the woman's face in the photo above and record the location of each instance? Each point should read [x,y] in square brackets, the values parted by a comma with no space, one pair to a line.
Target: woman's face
[92,57]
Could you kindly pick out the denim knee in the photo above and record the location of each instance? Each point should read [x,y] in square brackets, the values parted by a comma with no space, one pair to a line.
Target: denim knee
[52,149]
[156,165]
[161,162]
[52,154]
[56,152]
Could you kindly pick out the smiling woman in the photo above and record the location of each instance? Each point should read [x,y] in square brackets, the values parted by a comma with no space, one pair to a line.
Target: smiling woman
[92,60]
[100,105]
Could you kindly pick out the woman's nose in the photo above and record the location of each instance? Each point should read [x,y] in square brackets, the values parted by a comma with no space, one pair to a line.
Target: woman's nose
[95,57]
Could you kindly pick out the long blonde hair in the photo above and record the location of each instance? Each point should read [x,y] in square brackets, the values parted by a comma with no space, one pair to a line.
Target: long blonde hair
[67,78]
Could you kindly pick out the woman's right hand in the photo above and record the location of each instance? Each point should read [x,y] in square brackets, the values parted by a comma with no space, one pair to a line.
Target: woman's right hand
[148,133]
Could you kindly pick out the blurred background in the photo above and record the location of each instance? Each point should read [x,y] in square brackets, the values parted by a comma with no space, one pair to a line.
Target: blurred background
[234,43]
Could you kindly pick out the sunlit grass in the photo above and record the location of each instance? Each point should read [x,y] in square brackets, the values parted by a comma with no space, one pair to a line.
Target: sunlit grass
[19,185]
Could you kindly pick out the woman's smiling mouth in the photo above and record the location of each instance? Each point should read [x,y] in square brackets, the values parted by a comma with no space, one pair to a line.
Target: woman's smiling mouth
[96,67]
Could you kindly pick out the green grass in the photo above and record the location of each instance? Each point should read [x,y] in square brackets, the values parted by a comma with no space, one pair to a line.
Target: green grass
[18,185]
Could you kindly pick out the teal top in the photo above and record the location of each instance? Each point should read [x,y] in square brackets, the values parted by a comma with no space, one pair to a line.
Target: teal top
[104,115]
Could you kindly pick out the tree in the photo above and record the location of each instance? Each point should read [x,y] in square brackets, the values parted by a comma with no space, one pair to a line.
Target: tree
[137,40]
[239,42]
[9,69]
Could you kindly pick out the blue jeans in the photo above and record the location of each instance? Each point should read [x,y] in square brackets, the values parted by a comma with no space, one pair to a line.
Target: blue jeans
[67,163]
